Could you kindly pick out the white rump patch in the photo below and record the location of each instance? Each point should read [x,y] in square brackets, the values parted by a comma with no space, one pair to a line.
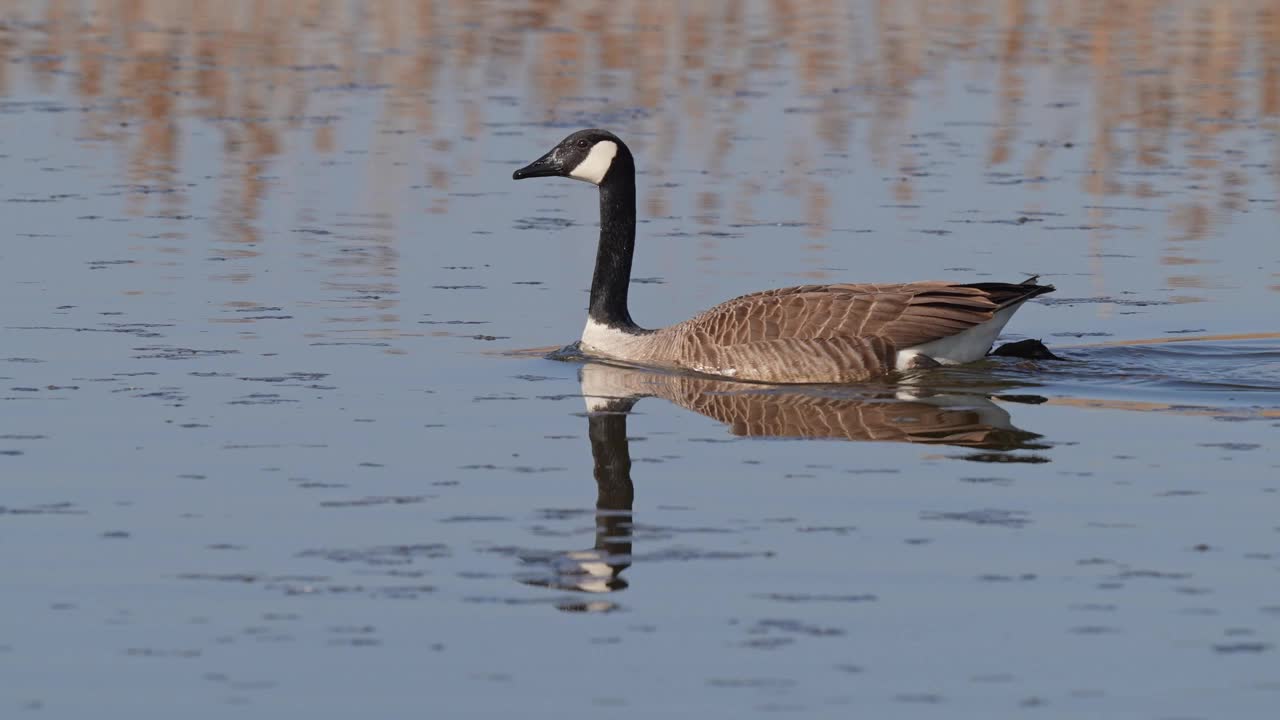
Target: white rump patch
[593,169]
[963,347]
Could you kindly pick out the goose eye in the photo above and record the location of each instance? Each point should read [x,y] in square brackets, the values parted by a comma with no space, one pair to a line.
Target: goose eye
[582,143]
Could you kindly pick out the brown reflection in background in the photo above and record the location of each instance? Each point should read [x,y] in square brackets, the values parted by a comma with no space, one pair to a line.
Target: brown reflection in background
[1164,83]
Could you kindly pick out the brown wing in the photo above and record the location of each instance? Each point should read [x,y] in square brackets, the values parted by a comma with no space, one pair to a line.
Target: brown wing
[904,314]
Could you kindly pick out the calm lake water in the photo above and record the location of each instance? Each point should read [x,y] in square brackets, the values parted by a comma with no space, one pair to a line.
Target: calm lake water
[279,436]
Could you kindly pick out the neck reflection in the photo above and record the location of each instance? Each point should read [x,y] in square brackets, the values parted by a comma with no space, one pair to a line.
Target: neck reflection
[597,570]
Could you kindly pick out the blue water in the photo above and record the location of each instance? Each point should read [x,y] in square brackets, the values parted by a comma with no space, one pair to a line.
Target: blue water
[278,436]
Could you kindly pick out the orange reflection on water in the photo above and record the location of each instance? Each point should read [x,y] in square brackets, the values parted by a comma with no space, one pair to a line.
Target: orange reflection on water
[1137,87]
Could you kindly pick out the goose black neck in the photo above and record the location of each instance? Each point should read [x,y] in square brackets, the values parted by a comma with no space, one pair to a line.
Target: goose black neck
[612,276]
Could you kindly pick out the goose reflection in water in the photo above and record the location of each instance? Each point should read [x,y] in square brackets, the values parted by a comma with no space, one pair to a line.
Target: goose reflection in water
[893,414]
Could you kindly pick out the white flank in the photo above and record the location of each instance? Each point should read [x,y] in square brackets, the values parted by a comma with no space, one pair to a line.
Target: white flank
[593,169]
[963,347]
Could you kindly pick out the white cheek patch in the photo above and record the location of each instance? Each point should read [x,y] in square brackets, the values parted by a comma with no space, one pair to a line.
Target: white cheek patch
[593,169]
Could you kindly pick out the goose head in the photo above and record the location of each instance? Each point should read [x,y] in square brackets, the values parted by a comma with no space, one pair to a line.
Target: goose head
[586,155]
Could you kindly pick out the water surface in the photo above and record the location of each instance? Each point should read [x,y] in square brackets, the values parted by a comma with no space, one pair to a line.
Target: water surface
[273,442]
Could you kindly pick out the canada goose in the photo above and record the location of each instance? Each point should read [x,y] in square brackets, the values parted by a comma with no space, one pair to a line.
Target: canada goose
[805,334]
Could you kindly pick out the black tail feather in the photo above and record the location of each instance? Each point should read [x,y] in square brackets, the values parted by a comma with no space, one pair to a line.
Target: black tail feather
[1006,294]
